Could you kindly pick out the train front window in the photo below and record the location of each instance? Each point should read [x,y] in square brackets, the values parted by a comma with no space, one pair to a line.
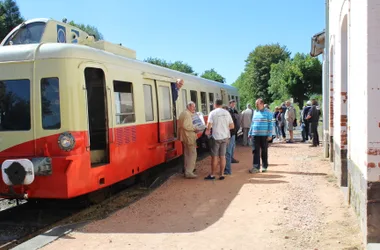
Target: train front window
[27,34]
[15,105]
[50,106]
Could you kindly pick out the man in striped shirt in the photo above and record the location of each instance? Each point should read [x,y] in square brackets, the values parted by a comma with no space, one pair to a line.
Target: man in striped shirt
[260,133]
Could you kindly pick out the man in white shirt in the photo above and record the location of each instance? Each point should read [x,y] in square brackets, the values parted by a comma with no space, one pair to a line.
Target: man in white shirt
[221,122]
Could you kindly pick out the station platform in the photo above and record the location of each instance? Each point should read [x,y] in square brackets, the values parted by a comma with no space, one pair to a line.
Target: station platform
[295,205]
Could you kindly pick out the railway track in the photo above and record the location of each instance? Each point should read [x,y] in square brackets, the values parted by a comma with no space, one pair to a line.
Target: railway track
[23,222]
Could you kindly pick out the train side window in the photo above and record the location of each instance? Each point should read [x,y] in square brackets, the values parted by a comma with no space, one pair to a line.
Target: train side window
[50,103]
[184,98]
[211,101]
[166,111]
[125,108]
[194,98]
[148,101]
[203,103]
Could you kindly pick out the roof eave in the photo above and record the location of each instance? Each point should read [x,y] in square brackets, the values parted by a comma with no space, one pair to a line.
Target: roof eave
[317,44]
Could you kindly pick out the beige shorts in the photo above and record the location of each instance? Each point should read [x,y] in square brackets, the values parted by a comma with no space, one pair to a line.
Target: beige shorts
[219,147]
[289,125]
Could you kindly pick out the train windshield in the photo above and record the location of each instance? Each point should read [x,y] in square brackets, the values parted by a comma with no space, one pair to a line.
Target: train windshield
[15,105]
[27,34]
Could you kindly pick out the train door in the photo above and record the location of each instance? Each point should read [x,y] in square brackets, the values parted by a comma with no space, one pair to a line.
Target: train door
[224,96]
[166,111]
[97,116]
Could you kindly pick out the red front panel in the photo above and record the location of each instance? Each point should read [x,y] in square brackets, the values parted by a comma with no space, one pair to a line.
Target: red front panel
[133,149]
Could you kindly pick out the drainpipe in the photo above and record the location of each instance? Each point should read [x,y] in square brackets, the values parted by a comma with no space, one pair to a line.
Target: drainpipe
[325,86]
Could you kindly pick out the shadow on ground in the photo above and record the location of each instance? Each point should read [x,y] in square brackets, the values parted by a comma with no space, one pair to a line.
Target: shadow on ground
[184,205]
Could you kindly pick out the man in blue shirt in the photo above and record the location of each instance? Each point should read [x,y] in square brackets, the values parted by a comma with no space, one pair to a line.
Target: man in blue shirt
[261,133]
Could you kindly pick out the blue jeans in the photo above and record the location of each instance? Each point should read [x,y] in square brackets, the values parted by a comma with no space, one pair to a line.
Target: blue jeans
[278,130]
[229,155]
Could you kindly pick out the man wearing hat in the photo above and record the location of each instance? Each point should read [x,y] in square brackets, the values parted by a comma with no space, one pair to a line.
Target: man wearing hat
[305,123]
[231,145]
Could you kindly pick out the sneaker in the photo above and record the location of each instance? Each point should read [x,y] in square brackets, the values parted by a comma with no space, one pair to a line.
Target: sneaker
[254,171]
[264,170]
[209,177]
[234,161]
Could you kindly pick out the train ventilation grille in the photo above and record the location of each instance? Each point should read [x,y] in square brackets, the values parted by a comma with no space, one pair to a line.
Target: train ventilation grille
[125,135]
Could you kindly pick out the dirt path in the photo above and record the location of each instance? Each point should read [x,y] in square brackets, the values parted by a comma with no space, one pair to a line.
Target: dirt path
[295,205]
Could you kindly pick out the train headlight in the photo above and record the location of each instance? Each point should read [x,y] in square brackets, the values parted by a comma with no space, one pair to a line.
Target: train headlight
[66,141]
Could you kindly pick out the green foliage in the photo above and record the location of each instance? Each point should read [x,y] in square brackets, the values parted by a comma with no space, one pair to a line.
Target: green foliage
[271,74]
[213,75]
[91,30]
[298,78]
[177,65]
[275,103]
[182,67]
[10,17]
[254,81]
[244,90]
[258,67]
[157,61]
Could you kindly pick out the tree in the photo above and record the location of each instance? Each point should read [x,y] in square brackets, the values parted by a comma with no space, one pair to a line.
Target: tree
[299,78]
[213,75]
[280,75]
[3,27]
[177,65]
[10,17]
[182,67]
[157,61]
[258,67]
[91,30]
[244,90]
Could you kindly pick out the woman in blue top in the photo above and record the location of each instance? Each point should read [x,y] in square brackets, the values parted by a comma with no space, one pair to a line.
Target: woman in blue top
[261,133]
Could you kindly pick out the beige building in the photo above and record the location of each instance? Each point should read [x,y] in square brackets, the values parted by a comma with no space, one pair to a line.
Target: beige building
[350,46]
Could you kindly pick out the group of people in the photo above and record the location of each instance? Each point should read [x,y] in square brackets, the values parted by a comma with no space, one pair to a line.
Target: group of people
[257,126]
[284,116]
[222,126]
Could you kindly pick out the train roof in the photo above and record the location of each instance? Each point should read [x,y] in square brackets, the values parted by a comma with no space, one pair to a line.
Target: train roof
[30,52]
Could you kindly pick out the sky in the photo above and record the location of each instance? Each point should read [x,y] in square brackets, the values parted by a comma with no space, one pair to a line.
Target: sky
[203,33]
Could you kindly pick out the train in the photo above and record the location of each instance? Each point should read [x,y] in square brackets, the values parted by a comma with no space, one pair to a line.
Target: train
[78,115]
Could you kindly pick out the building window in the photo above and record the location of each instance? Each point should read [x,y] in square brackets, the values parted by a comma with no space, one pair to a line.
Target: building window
[50,105]
[203,103]
[125,110]
[211,100]
[165,110]
[148,101]
[15,105]
[194,98]
[184,98]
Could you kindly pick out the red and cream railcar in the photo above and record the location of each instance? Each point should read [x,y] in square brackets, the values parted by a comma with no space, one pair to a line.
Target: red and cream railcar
[75,118]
